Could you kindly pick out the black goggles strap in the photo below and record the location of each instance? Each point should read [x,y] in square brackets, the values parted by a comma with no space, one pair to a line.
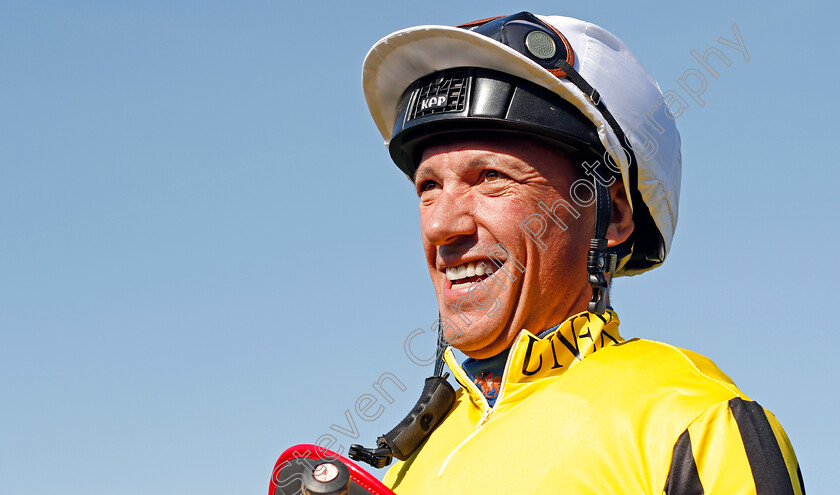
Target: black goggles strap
[528,35]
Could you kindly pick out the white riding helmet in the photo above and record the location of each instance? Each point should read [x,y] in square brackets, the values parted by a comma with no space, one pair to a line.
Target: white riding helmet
[607,101]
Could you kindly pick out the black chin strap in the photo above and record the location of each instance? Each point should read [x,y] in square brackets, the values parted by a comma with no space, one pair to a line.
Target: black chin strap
[600,261]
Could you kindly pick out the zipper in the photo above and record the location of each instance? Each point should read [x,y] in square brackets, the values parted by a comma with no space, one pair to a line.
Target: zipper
[486,409]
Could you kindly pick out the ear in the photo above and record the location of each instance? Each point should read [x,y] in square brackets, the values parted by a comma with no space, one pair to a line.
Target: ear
[621,223]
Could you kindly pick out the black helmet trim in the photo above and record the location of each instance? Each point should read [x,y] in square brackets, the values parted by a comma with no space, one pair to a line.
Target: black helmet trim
[467,99]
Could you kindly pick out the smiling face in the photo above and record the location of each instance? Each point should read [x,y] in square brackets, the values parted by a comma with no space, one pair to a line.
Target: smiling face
[474,194]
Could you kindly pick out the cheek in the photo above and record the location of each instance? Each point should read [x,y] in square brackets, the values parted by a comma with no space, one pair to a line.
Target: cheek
[557,231]
[502,216]
[529,225]
[571,247]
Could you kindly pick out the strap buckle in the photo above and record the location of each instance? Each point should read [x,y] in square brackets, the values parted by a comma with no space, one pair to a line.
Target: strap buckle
[599,262]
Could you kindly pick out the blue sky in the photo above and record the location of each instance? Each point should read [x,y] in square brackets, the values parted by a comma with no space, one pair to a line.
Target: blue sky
[206,255]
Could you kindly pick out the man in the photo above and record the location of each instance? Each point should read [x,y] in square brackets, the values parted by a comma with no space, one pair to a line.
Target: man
[546,162]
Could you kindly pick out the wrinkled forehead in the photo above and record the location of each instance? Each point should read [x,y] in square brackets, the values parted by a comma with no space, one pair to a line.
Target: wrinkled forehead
[544,157]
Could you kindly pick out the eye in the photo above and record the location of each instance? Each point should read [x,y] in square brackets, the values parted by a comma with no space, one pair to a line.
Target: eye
[491,175]
[426,185]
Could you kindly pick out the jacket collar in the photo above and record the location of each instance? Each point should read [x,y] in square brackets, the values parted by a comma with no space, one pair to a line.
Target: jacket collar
[532,358]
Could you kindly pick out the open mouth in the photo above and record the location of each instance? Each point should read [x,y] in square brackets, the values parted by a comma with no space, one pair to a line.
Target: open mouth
[463,276]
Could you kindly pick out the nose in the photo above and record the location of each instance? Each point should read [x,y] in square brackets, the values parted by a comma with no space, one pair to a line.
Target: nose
[449,218]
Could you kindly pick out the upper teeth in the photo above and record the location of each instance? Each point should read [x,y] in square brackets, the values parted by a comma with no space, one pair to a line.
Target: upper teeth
[470,269]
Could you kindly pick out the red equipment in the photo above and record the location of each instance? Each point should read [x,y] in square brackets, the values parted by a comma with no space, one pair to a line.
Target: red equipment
[313,470]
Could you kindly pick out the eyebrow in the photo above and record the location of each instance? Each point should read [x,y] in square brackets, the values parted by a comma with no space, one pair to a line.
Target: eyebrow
[421,174]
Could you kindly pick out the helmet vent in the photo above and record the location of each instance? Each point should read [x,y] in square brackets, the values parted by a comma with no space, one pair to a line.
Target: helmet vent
[441,92]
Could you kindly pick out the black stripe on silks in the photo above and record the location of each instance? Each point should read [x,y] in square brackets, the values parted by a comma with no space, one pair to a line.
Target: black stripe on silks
[763,453]
[799,475]
[683,478]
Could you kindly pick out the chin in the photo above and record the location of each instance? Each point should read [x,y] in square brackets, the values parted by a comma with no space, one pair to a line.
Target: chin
[481,339]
